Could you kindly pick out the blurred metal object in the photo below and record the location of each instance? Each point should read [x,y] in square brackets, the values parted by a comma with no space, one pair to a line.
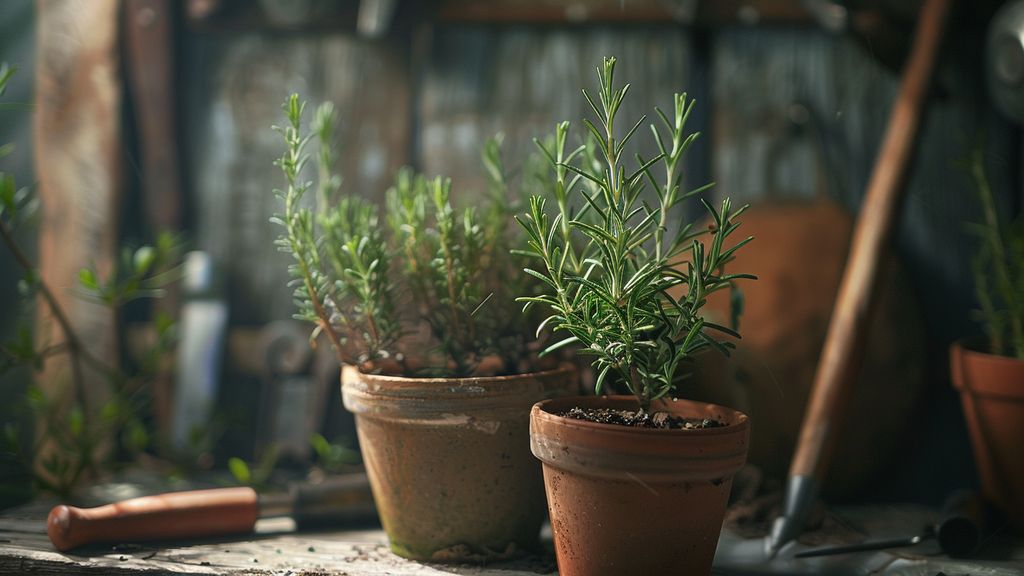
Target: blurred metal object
[1004,60]
[291,392]
[958,531]
[375,17]
[831,16]
[203,9]
[203,326]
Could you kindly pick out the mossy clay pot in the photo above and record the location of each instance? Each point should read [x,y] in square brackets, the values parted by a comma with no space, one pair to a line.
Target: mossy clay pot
[449,460]
[992,394]
[626,500]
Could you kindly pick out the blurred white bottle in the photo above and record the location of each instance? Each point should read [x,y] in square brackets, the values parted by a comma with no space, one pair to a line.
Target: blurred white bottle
[201,331]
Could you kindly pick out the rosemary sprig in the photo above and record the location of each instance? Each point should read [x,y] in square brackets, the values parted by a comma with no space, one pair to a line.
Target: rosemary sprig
[608,275]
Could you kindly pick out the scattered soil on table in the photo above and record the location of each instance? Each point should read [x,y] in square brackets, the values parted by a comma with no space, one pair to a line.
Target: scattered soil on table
[638,419]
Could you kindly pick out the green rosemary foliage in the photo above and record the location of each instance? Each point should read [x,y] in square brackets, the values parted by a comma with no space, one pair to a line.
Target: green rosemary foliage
[452,266]
[340,277]
[608,268]
[998,269]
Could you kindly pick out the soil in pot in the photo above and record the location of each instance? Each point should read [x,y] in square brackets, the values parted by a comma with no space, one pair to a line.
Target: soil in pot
[638,419]
[992,393]
[636,499]
[449,461]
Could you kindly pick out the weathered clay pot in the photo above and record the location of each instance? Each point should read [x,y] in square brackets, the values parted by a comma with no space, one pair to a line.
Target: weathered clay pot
[633,500]
[449,460]
[992,393]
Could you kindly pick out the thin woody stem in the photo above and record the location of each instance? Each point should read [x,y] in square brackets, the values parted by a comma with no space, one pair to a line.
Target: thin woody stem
[74,345]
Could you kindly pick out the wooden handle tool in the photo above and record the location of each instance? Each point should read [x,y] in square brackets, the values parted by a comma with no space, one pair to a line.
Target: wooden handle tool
[843,351]
[166,516]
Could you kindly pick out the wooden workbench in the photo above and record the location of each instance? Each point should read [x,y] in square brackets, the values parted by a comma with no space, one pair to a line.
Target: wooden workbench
[277,549]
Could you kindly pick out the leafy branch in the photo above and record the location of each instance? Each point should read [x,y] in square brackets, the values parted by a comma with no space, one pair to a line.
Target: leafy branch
[73,432]
[608,273]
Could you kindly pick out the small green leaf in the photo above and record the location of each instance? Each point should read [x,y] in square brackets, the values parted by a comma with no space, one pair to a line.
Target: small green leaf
[143,259]
[240,470]
[87,278]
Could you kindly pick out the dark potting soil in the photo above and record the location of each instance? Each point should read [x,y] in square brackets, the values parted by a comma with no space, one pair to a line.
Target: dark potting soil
[638,419]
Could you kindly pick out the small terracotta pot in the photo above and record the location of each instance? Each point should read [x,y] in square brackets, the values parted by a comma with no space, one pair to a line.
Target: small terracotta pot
[636,500]
[992,393]
[449,460]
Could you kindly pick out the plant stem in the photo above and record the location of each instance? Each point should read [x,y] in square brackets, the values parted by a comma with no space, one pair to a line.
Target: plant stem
[74,345]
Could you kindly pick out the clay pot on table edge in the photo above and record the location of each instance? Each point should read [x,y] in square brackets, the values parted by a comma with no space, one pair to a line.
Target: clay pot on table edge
[628,500]
[449,461]
[992,394]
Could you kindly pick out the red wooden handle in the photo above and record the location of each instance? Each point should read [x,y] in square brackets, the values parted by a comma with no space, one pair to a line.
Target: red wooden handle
[165,516]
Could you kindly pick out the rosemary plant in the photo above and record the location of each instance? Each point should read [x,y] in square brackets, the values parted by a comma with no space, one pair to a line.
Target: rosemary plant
[998,269]
[608,267]
[374,285]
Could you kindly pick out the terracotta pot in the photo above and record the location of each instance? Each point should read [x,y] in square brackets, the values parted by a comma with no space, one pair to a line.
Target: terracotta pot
[449,460]
[992,393]
[635,500]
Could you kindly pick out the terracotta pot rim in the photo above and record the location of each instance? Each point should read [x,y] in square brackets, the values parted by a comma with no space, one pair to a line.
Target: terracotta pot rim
[434,381]
[543,412]
[1000,370]
[456,400]
[971,347]
[625,453]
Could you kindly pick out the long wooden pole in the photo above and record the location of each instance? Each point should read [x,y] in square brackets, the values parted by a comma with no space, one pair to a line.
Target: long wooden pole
[843,352]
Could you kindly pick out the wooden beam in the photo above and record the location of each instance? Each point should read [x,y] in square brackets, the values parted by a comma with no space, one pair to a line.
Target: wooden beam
[78,154]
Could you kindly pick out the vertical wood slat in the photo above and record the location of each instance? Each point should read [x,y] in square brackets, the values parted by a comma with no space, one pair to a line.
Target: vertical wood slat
[149,36]
[521,81]
[78,165]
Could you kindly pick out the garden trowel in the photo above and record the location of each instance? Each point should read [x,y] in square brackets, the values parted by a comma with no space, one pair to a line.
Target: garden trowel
[343,500]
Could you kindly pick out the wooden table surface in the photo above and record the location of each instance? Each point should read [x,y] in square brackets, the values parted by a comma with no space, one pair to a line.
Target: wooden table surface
[277,549]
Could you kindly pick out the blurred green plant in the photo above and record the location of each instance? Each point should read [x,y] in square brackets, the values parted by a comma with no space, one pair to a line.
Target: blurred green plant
[998,268]
[257,474]
[608,268]
[371,288]
[332,457]
[62,421]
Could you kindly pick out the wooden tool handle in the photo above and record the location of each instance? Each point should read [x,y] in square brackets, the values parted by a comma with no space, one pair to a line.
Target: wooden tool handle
[843,351]
[165,516]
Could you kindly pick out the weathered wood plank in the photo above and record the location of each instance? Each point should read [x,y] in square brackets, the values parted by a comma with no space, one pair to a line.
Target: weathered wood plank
[520,81]
[78,155]
[275,549]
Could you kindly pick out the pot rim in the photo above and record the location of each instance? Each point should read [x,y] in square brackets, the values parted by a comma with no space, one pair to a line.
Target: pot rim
[971,347]
[625,453]
[742,420]
[975,372]
[434,381]
[456,400]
